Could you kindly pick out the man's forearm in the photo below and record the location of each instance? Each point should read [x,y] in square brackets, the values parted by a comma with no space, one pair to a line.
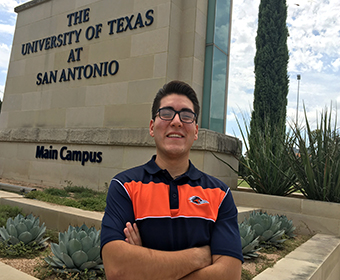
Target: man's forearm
[223,268]
[125,261]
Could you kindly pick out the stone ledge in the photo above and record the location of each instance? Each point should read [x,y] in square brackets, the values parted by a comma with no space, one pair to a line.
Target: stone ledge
[207,140]
[29,5]
[317,259]
[56,217]
[309,216]
[8,272]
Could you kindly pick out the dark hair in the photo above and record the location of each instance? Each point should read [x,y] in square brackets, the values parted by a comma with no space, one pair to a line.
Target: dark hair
[177,87]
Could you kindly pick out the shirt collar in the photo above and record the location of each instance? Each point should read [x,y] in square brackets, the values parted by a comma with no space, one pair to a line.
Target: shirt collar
[152,168]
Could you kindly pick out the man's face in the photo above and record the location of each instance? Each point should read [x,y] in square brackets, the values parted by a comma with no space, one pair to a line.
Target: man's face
[174,138]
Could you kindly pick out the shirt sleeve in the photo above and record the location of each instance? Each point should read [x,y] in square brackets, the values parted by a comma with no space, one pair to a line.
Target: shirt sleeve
[118,212]
[226,238]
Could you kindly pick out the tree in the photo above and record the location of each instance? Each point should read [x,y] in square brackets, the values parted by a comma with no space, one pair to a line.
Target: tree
[267,169]
[271,62]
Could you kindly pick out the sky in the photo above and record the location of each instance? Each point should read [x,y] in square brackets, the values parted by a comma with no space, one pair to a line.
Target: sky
[314,53]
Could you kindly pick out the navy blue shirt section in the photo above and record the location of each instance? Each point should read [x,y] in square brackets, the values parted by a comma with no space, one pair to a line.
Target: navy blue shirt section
[172,214]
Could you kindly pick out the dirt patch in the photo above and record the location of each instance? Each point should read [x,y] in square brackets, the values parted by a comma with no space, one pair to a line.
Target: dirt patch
[24,265]
[264,259]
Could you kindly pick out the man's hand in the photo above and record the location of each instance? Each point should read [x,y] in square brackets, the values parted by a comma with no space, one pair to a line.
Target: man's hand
[222,267]
[132,234]
[125,261]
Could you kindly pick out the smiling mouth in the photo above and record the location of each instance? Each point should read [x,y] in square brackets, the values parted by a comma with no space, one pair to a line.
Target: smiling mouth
[174,136]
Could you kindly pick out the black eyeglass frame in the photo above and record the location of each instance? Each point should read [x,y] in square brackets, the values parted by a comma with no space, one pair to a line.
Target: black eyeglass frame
[179,114]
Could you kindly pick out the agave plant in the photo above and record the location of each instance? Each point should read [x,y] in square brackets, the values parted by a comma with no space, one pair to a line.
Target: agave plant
[287,226]
[23,229]
[267,227]
[78,249]
[317,164]
[265,165]
[250,242]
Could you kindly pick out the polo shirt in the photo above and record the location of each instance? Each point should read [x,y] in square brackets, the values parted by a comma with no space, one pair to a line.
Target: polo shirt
[192,210]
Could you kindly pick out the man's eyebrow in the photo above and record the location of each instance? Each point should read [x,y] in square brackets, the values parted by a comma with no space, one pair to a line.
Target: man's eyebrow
[168,107]
[183,109]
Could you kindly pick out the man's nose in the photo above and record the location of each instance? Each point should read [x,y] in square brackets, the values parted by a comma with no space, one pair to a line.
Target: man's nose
[176,120]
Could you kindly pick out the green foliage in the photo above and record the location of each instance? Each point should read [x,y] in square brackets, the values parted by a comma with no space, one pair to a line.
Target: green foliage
[82,275]
[287,226]
[271,62]
[246,275]
[250,243]
[52,235]
[6,212]
[317,165]
[267,227]
[23,229]
[80,191]
[20,249]
[22,237]
[57,192]
[263,230]
[72,196]
[78,251]
[266,168]
[46,271]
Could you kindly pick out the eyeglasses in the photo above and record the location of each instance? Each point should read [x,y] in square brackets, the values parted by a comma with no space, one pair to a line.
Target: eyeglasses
[168,114]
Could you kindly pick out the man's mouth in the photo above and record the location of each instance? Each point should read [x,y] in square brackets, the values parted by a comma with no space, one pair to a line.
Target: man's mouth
[173,135]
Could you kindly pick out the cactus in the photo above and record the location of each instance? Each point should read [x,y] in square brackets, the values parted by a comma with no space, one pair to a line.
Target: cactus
[287,226]
[249,241]
[78,249]
[267,227]
[23,229]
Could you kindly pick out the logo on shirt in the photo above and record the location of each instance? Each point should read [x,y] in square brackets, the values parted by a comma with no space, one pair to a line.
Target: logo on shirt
[197,200]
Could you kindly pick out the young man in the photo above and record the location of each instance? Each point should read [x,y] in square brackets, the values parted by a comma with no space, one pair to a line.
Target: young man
[166,219]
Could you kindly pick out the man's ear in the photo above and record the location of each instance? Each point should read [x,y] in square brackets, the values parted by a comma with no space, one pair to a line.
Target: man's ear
[196,132]
[151,126]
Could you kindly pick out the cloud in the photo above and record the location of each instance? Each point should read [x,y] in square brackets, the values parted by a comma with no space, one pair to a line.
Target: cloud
[9,5]
[313,29]
[6,28]
[336,64]
[313,45]
[4,55]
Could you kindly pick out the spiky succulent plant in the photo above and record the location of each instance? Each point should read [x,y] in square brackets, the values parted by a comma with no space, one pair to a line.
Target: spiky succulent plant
[23,229]
[249,241]
[267,227]
[78,249]
[287,226]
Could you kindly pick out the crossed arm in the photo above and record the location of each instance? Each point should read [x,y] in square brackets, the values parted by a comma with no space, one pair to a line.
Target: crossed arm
[129,260]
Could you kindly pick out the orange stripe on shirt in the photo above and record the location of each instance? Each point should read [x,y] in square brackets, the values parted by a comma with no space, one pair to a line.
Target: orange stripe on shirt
[149,200]
[152,200]
[207,201]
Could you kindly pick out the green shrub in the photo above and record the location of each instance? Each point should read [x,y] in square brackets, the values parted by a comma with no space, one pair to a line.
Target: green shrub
[317,163]
[22,236]
[78,251]
[57,192]
[6,212]
[265,165]
[78,197]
